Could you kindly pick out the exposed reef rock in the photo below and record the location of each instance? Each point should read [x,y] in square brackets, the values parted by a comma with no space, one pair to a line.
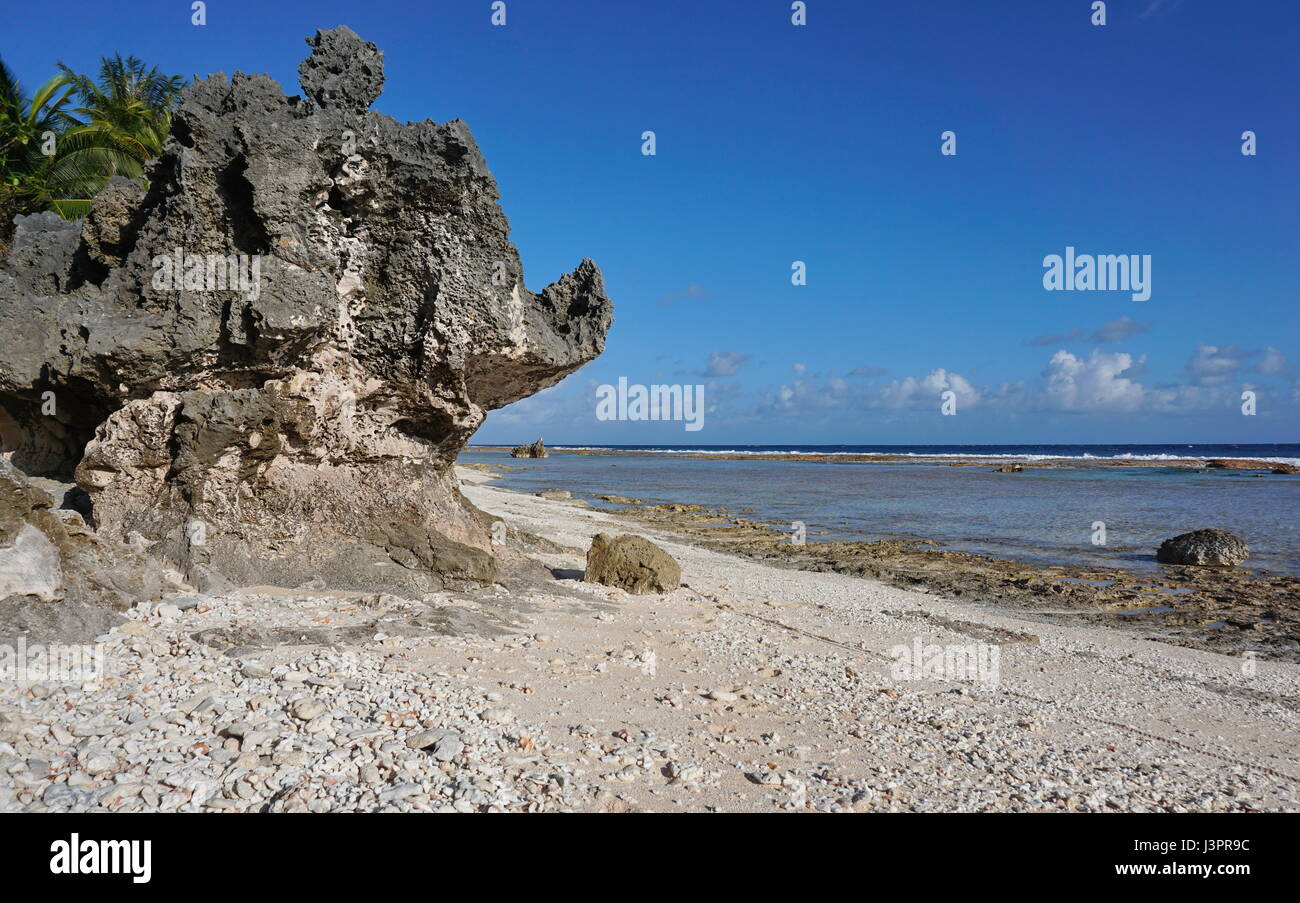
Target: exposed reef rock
[1205,548]
[536,450]
[265,362]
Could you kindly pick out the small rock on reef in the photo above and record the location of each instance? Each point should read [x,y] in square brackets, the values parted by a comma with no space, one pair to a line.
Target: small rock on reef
[1209,548]
[536,450]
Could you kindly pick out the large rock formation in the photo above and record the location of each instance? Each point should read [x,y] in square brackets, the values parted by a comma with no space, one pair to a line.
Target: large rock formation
[265,362]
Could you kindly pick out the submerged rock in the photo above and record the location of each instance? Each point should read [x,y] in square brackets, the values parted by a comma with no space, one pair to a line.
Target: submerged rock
[1213,548]
[631,563]
[536,450]
[266,363]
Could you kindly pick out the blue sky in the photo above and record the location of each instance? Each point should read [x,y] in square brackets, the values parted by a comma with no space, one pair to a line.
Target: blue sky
[821,143]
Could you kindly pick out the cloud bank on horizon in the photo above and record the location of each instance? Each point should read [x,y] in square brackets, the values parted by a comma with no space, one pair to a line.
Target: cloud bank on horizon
[811,407]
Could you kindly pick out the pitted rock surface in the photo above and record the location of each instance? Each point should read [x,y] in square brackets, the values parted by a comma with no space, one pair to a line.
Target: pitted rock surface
[632,563]
[1204,548]
[59,580]
[300,424]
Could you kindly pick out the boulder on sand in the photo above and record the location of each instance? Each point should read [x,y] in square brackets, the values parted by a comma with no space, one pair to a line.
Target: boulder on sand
[1210,548]
[536,450]
[631,563]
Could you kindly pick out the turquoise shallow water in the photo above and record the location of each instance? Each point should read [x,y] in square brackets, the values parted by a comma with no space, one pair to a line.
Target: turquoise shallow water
[1042,515]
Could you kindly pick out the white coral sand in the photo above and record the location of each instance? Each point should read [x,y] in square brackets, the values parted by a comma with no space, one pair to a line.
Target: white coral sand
[749,688]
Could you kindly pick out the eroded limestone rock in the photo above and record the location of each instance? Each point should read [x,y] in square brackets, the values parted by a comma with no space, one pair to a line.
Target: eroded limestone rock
[299,421]
[59,580]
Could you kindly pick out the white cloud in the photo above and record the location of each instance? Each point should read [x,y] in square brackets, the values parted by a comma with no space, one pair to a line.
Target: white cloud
[1117,330]
[868,371]
[692,292]
[805,394]
[1214,365]
[1111,331]
[1095,384]
[925,392]
[724,363]
[1273,362]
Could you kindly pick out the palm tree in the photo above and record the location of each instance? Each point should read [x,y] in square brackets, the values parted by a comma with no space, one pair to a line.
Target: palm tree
[126,115]
[25,125]
[128,111]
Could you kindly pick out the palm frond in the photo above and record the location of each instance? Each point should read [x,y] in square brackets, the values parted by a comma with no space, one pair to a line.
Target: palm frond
[72,208]
[109,125]
[11,92]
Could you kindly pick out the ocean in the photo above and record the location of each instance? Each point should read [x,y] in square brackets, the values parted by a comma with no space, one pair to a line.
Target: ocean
[1041,515]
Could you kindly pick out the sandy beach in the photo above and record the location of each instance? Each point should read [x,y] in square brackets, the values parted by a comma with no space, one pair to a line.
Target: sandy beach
[1096,711]
[750,688]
